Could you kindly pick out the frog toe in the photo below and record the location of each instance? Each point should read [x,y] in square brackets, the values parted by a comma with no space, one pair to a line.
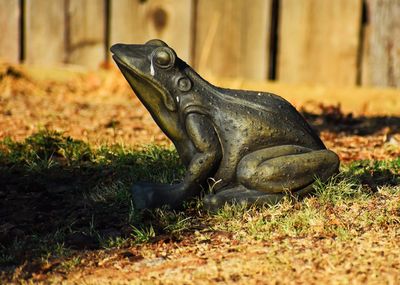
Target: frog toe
[142,196]
[239,196]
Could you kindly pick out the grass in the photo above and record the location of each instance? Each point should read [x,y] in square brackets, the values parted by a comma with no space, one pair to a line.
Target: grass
[64,197]
[342,208]
[87,187]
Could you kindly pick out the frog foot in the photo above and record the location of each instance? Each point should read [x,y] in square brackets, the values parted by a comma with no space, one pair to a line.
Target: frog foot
[143,195]
[240,195]
[152,195]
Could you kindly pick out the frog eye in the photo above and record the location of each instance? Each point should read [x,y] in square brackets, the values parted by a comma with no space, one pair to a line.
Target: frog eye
[164,58]
[184,84]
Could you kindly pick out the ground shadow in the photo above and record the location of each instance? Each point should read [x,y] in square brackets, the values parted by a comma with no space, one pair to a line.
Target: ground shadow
[42,212]
[332,119]
[52,203]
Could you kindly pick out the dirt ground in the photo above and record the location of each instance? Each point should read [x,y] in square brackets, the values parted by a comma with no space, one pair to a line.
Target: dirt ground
[99,108]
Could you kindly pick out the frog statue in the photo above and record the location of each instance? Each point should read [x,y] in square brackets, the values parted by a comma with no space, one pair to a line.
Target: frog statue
[255,145]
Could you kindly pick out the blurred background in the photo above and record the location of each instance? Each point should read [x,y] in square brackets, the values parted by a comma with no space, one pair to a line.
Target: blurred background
[333,43]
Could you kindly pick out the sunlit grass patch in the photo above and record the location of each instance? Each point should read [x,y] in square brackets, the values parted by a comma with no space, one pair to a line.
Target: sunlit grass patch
[45,149]
[341,208]
[143,234]
[339,189]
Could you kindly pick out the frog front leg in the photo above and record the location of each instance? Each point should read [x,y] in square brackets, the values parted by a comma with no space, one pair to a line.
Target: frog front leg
[203,163]
[266,175]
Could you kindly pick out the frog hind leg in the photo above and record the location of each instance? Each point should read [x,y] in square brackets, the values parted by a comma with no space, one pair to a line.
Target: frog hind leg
[267,175]
[285,168]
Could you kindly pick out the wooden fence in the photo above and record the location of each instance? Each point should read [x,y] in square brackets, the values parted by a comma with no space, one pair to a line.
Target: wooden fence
[331,42]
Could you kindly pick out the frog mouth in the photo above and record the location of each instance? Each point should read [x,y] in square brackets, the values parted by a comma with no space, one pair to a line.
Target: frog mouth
[132,59]
[131,69]
[140,81]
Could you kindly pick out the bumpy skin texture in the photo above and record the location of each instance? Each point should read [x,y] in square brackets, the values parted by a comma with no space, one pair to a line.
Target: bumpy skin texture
[255,144]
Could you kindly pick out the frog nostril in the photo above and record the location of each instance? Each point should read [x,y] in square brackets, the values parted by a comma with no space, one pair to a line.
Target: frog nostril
[184,84]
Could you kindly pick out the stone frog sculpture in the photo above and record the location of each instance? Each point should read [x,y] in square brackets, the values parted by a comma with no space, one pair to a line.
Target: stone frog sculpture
[255,144]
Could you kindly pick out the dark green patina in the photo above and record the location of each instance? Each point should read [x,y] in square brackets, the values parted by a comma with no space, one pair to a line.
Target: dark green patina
[255,145]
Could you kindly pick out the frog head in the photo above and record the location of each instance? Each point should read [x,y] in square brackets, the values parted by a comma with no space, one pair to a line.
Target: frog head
[154,72]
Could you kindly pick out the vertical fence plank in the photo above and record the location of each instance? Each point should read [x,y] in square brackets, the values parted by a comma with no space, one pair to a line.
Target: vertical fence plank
[134,21]
[232,38]
[381,57]
[319,41]
[86,32]
[10,35]
[44,32]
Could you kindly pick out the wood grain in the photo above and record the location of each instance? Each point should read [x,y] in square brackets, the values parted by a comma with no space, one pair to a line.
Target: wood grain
[232,38]
[10,34]
[45,32]
[319,41]
[381,57]
[134,21]
[86,33]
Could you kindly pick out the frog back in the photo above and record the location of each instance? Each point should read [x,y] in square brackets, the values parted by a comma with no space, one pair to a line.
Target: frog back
[265,119]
